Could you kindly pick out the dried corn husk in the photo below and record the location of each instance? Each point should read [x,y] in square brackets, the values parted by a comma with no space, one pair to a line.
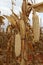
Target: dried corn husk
[36,27]
[22,28]
[22,31]
[17,44]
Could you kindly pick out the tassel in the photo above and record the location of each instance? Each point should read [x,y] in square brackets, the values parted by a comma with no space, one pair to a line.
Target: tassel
[17,44]
[36,27]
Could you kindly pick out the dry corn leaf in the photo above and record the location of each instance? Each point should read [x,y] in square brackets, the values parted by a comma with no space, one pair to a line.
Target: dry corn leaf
[11,19]
[38,7]
[1,20]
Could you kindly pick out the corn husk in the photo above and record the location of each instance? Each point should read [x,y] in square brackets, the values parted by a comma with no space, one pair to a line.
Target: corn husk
[22,32]
[36,27]
[17,44]
[22,28]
